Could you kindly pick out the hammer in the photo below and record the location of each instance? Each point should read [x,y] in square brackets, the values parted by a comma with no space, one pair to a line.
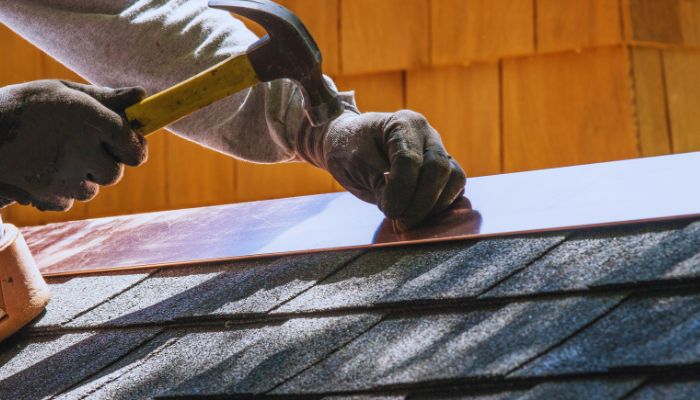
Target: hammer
[287,51]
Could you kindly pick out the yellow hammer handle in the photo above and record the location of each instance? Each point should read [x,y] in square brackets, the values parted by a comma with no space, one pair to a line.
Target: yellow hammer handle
[224,79]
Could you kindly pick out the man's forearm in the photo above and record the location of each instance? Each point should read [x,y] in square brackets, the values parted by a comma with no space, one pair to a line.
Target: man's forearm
[156,44]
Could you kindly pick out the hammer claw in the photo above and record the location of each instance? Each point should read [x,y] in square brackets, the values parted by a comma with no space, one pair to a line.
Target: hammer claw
[287,52]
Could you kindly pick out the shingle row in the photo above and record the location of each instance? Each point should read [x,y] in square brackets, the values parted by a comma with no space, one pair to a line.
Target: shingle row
[323,325]
[531,340]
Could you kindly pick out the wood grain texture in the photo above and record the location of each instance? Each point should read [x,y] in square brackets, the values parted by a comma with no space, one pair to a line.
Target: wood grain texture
[566,109]
[650,101]
[682,71]
[466,30]
[322,19]
[273,181]
[383,35]
[690,21]
[462,103]
[382,92]
[558,109]
[656,21]
[21,61]
[52,69]
[197,175]
[575,24]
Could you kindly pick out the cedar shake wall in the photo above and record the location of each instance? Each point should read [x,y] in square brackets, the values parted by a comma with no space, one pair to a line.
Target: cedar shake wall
[511,85]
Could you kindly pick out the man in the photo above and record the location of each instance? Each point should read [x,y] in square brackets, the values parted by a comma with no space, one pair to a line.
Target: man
[60,140]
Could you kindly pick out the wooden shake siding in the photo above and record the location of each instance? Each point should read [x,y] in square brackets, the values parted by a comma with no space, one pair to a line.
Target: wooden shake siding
[511,85]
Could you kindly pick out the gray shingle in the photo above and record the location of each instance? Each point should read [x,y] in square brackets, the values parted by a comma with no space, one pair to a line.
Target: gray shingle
[610,256]
[42,366]
[677,256]
[563,390]
[641,332]
[236,288]
[75,295]
[365,397]
[664,391]
[238,360]
[447,346]
[355,352]
[582,390]
[423,272]
[468,395]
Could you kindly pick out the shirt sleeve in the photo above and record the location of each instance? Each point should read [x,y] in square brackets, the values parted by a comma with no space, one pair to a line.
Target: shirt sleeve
[157,43]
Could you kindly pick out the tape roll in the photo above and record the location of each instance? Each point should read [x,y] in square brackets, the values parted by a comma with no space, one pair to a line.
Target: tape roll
[23,291]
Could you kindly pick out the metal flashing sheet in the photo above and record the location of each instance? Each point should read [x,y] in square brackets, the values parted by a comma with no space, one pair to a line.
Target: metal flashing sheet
[612,193]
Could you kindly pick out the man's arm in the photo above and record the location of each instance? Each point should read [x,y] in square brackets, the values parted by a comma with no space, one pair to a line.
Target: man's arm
[156,44]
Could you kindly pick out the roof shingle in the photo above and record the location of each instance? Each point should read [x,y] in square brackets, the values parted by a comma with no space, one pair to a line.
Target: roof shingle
[603,313]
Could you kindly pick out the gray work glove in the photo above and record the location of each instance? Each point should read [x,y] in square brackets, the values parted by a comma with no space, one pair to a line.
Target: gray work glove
[358,149]
[60,140]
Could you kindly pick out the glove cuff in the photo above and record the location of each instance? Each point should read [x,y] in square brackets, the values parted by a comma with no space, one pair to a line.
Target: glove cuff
[309,143]
[310,140]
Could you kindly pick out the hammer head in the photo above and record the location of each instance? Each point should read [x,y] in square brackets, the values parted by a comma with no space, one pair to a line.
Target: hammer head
[287,51]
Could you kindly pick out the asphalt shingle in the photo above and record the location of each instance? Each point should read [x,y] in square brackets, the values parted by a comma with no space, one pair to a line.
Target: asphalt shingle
[664,391]
[41,366]
[625,255]
[365,397]
[675,257]
[640,332]
[568,390]
[184,331]
[469,395]
[251,359]
[585,389]
[228,289]
[582,389]
[442,271]
[445,346]
[76,295]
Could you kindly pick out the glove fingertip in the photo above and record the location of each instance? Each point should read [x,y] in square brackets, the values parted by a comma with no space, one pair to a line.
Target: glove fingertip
[135,92]
[119,99]
[125,97]
[391,209]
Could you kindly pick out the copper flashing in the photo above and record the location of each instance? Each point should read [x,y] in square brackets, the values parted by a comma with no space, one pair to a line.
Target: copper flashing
[612,193]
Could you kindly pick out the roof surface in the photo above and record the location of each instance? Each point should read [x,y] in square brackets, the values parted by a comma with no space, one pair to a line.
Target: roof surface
[606,313]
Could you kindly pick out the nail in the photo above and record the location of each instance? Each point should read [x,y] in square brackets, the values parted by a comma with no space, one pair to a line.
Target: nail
[393,221]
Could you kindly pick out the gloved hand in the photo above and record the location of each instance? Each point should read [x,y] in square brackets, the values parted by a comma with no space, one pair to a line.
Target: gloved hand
[358,149]
[59,140]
